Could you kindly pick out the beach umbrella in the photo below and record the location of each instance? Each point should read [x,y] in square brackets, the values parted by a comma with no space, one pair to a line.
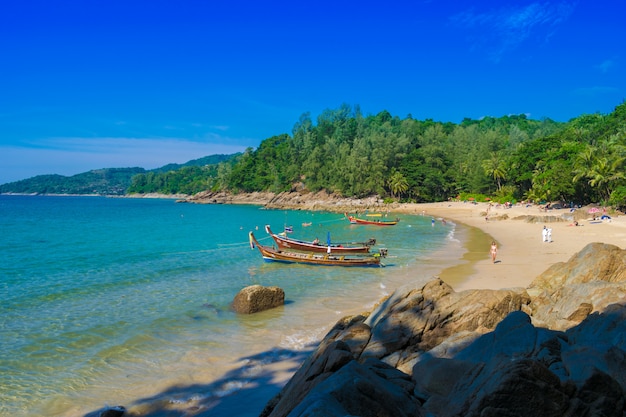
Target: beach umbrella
[594,210]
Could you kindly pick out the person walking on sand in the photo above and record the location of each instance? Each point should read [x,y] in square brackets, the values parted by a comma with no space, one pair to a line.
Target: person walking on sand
[544,234]
[494,251]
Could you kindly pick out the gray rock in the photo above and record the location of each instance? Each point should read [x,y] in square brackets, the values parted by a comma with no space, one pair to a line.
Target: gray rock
[366,390]
[556,349]
[117,411]
[258,298]
[567,292]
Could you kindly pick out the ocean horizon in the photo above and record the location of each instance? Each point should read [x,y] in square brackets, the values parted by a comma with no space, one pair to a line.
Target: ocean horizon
[111,301]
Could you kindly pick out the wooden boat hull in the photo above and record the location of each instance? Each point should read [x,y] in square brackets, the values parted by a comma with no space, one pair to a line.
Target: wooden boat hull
[356,220]
[290,244]
[310,258]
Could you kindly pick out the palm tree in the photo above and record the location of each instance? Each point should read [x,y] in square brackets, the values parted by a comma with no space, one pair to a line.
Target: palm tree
[602,167]
[398,184]
[495,167]
[605,175]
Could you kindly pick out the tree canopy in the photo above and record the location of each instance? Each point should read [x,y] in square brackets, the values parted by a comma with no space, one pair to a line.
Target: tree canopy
[510,158]
[507,158]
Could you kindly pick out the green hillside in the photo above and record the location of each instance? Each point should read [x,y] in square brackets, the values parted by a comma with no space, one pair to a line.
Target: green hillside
[510,158]
[107,181]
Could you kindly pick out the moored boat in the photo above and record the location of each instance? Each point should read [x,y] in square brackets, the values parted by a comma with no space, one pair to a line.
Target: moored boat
[271,254]
[356,220]
[287,243]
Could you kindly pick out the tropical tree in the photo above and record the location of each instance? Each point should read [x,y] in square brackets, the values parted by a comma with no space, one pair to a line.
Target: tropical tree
[398,184]
[495,167]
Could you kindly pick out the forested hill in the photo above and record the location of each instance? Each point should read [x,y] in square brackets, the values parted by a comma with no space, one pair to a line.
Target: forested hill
[106,181]
[510,158]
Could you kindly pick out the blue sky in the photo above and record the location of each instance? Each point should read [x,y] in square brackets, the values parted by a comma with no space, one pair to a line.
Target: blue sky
[92,84]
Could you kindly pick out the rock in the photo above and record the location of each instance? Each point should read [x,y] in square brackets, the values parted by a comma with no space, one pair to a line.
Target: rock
[567,292]
[556,349]
[258,298]
[360,390]
[408,324]
[117,411]
[369,389]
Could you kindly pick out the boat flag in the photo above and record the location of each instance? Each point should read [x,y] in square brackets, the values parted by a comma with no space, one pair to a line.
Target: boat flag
[251,241]
[328,238]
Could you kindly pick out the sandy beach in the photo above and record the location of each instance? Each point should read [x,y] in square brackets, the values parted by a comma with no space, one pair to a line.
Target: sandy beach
[522,255]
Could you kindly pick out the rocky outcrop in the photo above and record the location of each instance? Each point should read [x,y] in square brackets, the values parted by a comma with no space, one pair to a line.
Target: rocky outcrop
[556,349]
[567,292]
[258,298]
[292,200]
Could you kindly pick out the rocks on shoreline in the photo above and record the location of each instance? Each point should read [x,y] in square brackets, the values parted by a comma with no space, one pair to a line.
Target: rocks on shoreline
[256,298]
[554,349]
[320,200]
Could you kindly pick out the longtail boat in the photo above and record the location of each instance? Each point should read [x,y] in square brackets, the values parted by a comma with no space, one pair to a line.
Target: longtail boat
[356,220]
[311,258]
[287,243]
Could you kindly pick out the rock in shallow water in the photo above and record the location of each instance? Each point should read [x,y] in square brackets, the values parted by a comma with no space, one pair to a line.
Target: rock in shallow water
[258,298]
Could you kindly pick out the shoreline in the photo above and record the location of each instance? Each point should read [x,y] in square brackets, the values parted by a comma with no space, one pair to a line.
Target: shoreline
[463,263]
[522,255]
[466,264]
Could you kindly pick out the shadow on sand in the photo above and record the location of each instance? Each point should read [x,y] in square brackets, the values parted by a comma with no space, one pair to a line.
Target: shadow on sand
[241,392]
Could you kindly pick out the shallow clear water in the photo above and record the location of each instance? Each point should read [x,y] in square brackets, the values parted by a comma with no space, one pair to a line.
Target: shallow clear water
[105,301]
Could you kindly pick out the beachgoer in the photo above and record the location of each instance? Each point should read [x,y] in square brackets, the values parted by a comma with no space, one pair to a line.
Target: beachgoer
[544,234]
[316,241]
[493,251]
[432,222]
[549,235]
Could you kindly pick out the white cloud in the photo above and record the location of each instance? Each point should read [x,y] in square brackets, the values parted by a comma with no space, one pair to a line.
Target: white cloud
[605,66]
[506,28]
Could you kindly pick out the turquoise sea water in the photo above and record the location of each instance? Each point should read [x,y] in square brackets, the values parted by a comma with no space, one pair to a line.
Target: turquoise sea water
[115,301]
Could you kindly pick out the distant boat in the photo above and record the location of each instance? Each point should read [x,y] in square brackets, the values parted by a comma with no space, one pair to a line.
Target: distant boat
[356,220]
[287,243]
[311,258]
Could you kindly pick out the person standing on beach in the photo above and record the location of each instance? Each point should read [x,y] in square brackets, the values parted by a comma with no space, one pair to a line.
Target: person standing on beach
[494,251]
[544,233]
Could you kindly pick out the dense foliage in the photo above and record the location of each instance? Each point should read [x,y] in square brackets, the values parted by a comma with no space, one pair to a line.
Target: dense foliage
[510,158]
[507,158]
[190,178]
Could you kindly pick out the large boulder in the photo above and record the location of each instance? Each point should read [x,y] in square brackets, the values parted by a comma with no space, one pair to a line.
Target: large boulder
[258,298]
[567,292]
[408,324]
